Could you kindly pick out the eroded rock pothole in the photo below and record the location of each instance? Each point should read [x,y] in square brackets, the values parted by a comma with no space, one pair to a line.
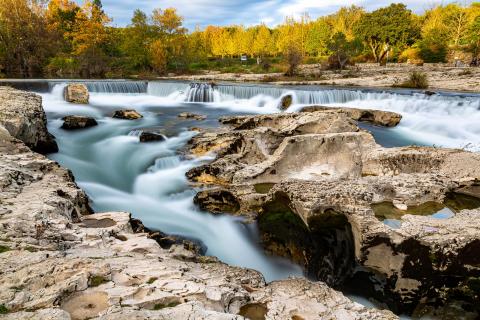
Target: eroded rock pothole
[86,305]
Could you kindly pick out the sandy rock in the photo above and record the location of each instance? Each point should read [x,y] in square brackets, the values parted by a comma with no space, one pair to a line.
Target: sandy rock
[78,122]
[21,113]
[76,93]
[127,115]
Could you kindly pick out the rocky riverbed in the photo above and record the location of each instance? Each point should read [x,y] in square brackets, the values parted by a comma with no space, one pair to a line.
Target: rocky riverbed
[398,224]
[61,261]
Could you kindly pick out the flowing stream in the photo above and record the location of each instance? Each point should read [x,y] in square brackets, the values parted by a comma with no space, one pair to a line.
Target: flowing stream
[148,179]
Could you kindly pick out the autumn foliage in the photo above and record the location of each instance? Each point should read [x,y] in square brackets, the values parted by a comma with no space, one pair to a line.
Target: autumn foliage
[60,38]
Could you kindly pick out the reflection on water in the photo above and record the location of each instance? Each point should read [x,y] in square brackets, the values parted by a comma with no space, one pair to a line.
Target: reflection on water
[453,203]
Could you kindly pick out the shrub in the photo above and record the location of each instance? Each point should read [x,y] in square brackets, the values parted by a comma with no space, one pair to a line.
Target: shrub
[416,80]
[410,54]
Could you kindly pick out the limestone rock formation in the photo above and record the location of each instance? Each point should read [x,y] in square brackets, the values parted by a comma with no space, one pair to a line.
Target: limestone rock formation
[59,261]
[21,113]
[377,117]
[76,93]
[127,114]
[400,223]
[78,122]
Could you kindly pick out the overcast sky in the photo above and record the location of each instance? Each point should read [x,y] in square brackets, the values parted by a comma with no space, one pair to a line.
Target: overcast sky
[247,12]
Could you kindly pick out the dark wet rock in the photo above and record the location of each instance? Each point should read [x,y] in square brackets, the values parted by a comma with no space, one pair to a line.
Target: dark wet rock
[377,117]
[217,201]
[430,93]
[313,180]
[127,114]
[76,93]
[192,116]
[285,102]
[147,136]
[78,122]
[22,115]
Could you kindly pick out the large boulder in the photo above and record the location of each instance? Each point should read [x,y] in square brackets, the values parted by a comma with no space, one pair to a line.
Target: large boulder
[285,102]
[76,93]
[127,114]
[21,113]
[78,122]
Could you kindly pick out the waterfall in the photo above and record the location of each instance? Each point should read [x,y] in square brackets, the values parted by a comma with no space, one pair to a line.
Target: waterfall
[108,86]
[201,92]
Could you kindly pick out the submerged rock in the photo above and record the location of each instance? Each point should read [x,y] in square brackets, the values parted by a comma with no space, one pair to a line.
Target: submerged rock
[21,113]
[76,93]
[190,115]
[78,122]
[313,178]
[127,114]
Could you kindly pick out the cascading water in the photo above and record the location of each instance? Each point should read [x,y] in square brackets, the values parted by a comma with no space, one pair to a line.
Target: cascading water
[148,179]
[201,92]
[120,173]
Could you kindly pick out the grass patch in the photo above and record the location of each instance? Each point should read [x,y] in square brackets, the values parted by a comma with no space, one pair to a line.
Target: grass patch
[416,80]
[31,249]
[3,309]
[95,281]
[152,280]
[160,306]
[4,249]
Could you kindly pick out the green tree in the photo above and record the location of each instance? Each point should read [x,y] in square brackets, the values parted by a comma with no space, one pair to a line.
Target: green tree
[317,38]
[342,49]
[387,27]
[136,42]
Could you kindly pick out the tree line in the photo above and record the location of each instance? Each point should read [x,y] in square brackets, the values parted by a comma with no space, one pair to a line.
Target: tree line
[60,38]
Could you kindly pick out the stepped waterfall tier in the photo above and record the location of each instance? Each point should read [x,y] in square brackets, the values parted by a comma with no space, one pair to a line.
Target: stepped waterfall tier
[219,200]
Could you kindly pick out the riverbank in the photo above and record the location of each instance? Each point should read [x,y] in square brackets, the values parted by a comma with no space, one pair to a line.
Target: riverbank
[60,261]
[440,76]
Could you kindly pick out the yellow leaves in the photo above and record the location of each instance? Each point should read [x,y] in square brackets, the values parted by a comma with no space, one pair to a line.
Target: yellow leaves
[158,56]
[90,30]
[168,21]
